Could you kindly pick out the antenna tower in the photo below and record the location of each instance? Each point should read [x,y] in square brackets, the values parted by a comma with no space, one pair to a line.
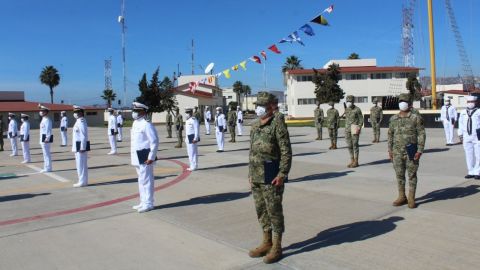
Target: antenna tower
[108,74]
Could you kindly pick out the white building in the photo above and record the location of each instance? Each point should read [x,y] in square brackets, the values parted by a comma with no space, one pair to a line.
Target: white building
[361,78]
[246,102]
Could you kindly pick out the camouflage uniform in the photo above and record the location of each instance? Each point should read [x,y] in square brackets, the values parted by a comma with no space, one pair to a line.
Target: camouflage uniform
[179,128]
[333,118]
[2,126]
[353,116]
[232,123]
[197,115]
[404,130]
[318,118]
[376,117]
[169,123]
[269,142]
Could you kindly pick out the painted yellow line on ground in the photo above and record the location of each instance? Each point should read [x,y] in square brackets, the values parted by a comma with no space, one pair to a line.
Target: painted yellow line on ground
[298,121]
[49,174]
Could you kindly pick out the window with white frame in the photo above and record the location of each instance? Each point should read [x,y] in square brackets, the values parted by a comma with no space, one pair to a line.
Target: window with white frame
[361,99]
[306,101]
[380,76]
[356,76]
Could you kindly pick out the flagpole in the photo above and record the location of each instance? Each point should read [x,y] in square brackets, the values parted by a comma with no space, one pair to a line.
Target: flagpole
[265,75]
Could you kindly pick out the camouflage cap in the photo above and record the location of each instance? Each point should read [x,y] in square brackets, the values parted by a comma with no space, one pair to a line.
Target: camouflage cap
[331,103]
[375,100]
[263,98]
[349,98]
[404,97]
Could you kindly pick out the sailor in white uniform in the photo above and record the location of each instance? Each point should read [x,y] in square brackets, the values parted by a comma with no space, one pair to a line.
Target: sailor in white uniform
[46,138]
[12,133]
[25,137]
[80,145]
[468,123]
[119,126]
[112,131]
[143,153]
[207,115]
[220,128]
[191,138]
[239,120]
[63,128]
[449,117]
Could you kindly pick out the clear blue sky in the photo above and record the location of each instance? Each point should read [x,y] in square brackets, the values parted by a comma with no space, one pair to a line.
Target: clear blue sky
[77,36]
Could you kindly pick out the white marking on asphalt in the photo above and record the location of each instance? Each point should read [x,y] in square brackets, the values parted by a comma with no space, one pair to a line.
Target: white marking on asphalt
[50,174]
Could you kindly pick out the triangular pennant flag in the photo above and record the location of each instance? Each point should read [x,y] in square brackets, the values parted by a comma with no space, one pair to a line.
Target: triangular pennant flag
[235,68]
[307,29]
[218,74]
[244,65]
[264,55]
[226,72]
[256,59]
[274,49]
[329,9]
[295,38]
[285,40]
[320,20]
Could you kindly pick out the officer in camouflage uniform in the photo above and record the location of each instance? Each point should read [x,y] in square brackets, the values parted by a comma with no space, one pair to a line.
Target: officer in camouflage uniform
[198,115]
[2,127]
[406,134]
[333,118]
[232,122]
[270,160]
[353,117]
[376,117]
[169,123]
[318,118]
[179,127]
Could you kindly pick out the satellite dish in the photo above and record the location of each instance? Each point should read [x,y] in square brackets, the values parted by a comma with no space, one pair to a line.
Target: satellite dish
[209,68]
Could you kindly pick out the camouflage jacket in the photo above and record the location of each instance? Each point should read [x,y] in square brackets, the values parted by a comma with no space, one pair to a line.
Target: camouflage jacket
[269,142]
[179,121]
[232,118]
[353,116]
[376,114]
[198,116]
[332,118]
[318,115]
[406,130]
[169,119]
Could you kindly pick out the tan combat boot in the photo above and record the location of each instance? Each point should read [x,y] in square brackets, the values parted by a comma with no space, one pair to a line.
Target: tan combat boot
[402,198]
[178,146]
[334,146]
[411,198]
[275,253]
[331,146]
[355,163]
[264,247]
[351,163]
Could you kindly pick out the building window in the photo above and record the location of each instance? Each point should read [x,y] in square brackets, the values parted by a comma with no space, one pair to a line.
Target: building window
[404,75]
[304,78]
[358,76]
[229,97]
[361,99]
[380,76]
[306,101]
[91,113]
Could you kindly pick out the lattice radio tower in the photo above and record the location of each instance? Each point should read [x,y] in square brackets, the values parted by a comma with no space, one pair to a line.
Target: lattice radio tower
[108,74]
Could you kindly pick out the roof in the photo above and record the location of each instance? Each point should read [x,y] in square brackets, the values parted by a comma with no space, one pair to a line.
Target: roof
[356,70]
[459,92]
[28,106]
[183,89]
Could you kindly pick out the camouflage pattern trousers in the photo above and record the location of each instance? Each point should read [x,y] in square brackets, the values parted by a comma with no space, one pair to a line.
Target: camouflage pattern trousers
[179,137]
[318,126]
[402,164]
[333,134]
[268,204]
[231,129]
[376,130]
[169,130]
[352,144]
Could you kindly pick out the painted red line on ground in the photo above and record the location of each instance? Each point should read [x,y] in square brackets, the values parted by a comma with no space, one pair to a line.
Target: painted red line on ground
[178,179]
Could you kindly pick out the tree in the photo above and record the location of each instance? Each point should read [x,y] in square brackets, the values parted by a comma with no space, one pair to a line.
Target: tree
[353,56]
[414,87]
[247,91]
[109,96]
[326,85]
[291,63]
[168,101]
[51,78]
[238,88]
[158,96]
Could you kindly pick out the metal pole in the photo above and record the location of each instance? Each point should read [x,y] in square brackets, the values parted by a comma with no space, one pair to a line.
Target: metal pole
[432,55]
[123,55]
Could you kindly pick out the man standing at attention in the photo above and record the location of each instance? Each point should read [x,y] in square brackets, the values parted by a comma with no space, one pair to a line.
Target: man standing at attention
[80,145]
[333,117]
[179,127]
[12,133]
[46,138]
[468,124]
[25,137]
[63,128]
[239,121]
[353,126]
[112,131]
[232,123]
[119,126]
[449,117]
[207,115]
[169,123]
[318,118]
[376,117]
[220,127]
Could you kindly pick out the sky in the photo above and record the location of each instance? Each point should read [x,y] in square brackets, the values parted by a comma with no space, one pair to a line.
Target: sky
[76,36]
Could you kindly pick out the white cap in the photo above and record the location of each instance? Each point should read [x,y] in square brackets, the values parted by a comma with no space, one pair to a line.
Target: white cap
[23,115]
[77,108]
[219,108]
[43,108]
[110,109]
[188,109]
[471,98]
[139,106]
[64,112]
[238,107]
[446,98]
[11,114]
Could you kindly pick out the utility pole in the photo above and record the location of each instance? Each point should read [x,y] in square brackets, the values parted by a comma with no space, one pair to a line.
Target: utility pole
[433,72]
[108,74]
[193,58]
[121,20]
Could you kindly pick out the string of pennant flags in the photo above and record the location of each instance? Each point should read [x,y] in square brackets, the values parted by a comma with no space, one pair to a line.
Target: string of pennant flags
[294,37]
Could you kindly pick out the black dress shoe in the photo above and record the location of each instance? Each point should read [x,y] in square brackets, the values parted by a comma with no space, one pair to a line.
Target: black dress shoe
[469,176]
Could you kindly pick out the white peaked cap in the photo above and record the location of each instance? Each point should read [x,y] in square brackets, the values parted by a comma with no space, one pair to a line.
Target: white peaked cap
[188,109]
[138,105]
[77,108]
[43,108]
[63,112]
[471,98]
[219,108]
[11,114]
[24,115]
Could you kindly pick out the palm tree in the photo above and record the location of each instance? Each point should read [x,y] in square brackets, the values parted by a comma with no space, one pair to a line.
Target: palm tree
[238,89]
[291,63]
[109,96]
[353,56]
[51,78]
[247,91]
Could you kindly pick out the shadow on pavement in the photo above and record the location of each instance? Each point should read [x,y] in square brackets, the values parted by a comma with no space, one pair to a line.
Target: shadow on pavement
[349,233]
[64,159]
[377,162]
[307,154]
[302,142]
[209,199]
[126,181]
[95,167]
[435,150]
[320,176]
[361,145]
[237,150]
[448,194]
[298,135]
[234,165]
[21,196]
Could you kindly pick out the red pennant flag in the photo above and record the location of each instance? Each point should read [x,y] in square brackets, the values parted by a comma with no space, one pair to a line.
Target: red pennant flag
[274,49]
[264,55]
[256,59]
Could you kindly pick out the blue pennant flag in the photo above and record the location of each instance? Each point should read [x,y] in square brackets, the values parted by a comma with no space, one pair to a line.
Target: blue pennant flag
[307,29]
[295,38]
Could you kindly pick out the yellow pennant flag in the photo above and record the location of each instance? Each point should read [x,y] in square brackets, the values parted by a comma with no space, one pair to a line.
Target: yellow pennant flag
[235,68]
[226,72]
[244,65]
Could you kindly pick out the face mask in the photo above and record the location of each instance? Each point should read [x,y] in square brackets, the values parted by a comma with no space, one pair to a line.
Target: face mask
[218,112]
[470,105]
[261,111]
[349,104]
[41,113]
[75,115]
[403,106]
[447,103]
[23,120]
[189,115]
[9,118]
[135,115]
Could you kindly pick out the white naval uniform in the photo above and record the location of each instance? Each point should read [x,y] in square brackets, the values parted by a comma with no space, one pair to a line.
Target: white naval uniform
[25,140]
[12,135]
[46,130]
[112,128]
[471,145]
[240,122]
[120,127]
[143,135]
[192,128]
[220,135]
[208,117]
[80,134]
[63,133]
[448,114]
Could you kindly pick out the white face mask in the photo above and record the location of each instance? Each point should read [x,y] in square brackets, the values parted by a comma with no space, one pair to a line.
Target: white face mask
[218,112]
[9,118]
[447,102]
[261,111]
[75,115]
[349,104]
[42,113]
[470,105]
[23,120]
[189,115]
[403,106]
[135,115]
